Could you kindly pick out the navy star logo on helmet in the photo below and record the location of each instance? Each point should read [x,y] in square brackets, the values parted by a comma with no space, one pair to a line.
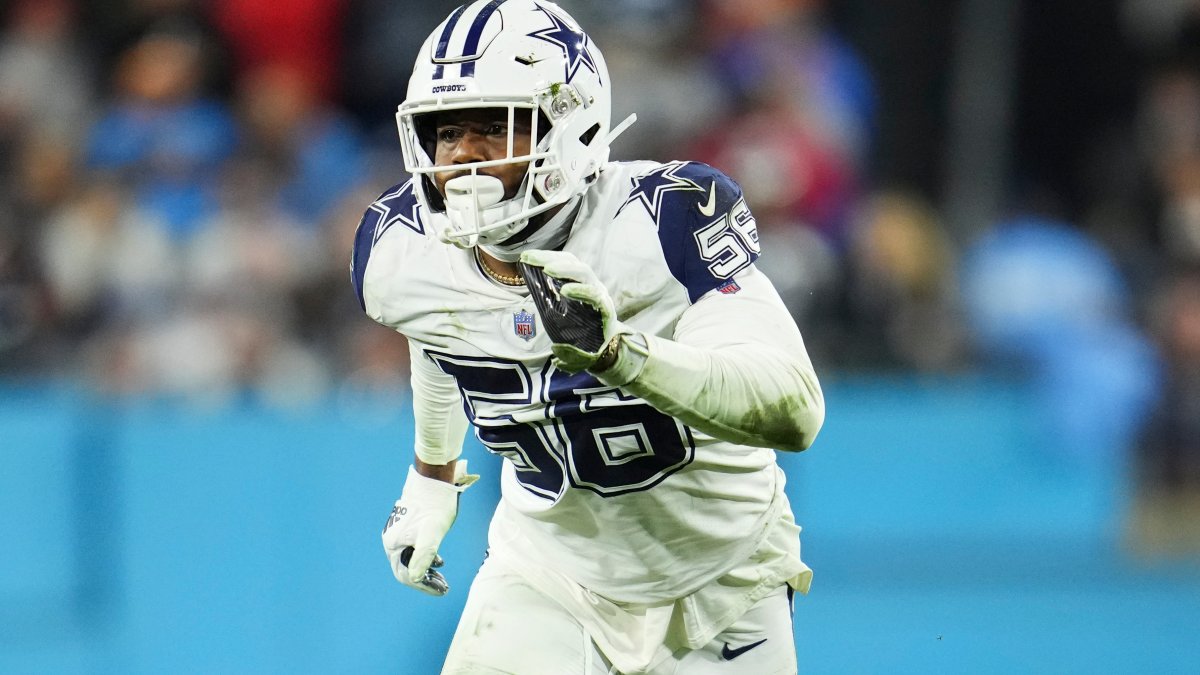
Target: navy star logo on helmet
[572,41]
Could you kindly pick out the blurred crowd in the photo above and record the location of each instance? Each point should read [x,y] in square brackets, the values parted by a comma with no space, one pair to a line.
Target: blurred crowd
[180,181]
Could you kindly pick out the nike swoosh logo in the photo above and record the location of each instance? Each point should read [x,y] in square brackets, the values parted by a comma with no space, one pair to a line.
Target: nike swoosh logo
[707,210]
[731,654]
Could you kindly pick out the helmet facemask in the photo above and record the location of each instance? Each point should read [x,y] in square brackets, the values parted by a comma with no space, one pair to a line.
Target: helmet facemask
[474,202]
[524,57]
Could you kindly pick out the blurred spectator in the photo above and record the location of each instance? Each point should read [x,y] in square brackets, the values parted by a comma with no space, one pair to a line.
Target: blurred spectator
[1167,515]
[205,319]
[794,132]
[300,35]
[23,315]
[311,148]
[251,246]
[44,77]
[161,133]
[1173,443]
[784,49]
[807,271]
[381,41]
[787,172]
[45,104]
[113,26]
[1170,134]
[902,291]
[1043,299]
[212,354]
[107,261]
[682,99]
[327,316]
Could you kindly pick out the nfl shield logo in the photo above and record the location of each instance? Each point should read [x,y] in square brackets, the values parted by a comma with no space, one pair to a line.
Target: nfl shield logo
[524,326]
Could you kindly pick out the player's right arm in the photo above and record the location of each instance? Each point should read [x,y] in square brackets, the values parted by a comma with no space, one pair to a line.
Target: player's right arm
[441,424]
[428,503]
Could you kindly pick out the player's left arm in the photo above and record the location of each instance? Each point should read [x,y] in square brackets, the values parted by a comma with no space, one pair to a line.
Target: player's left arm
[735,368]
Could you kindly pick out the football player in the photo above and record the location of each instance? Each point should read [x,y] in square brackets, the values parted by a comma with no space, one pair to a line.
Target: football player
[602,326]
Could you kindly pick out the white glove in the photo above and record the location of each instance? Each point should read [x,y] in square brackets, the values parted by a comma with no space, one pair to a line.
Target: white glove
[579,283]
[419,521]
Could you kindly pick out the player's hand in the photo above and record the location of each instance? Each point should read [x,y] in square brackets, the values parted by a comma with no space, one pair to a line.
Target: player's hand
[575,306]
[418,523]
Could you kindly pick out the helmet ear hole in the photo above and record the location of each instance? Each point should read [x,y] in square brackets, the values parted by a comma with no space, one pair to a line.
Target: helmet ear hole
[587,136]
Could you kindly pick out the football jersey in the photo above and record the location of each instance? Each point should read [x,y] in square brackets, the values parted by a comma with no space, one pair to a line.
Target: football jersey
[622,499]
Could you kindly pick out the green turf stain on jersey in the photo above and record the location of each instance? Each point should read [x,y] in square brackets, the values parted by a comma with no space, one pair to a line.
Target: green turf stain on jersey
[779,423]
[455,321]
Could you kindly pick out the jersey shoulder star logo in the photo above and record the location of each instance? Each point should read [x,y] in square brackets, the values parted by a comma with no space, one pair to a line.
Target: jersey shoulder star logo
[398,206]
[650,188]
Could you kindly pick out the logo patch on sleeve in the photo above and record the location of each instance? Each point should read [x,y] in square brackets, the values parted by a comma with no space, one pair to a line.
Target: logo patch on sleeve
[729,287]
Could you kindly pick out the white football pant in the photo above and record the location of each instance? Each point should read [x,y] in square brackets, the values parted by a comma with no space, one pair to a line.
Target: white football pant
[508,627]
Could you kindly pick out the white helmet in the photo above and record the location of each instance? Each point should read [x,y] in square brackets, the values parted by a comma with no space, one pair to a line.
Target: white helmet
[532,58]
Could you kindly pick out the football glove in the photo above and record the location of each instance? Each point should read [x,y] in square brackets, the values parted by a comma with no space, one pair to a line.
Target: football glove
[418,523]
[576,308]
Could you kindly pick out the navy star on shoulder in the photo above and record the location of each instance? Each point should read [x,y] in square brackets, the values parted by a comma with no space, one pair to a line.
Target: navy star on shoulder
[572,41]
[397,205]
[705,228]
[650,187]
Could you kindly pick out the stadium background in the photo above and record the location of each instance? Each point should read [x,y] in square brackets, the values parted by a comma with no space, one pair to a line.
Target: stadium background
[985,215]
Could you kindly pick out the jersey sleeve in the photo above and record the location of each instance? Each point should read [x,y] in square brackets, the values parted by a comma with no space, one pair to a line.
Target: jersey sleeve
[736,369]
[440,424]
[397,206]
[706,230]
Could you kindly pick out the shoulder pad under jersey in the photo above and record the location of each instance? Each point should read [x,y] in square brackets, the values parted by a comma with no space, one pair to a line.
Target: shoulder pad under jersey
[397,206]
[705,228]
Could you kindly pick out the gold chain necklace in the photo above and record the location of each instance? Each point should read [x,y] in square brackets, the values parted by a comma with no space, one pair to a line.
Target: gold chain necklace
[505,279]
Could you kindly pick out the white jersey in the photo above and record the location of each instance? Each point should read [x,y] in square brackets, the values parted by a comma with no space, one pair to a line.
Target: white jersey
[604,489]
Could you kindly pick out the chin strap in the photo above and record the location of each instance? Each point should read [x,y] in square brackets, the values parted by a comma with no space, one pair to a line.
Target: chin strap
[549,236]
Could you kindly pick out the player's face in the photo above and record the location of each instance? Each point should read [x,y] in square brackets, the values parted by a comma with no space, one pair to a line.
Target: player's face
[480,135]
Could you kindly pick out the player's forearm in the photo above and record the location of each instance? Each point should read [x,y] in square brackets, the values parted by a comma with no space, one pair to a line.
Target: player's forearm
[440,424]
[442,472]
[748,394]
[735,368]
